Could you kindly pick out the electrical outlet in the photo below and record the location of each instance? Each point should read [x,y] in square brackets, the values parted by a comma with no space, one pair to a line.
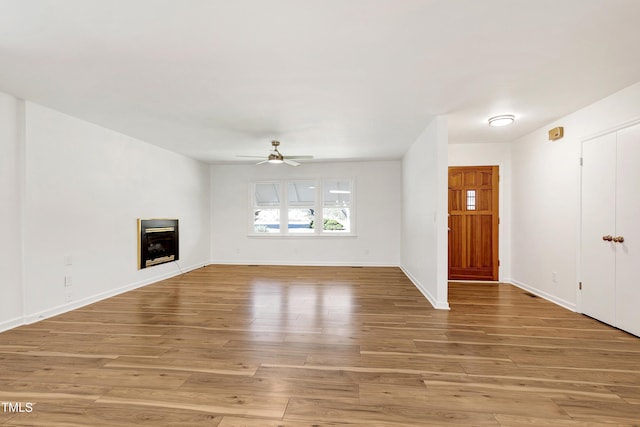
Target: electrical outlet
[554,277]
[67,281]
[68,260]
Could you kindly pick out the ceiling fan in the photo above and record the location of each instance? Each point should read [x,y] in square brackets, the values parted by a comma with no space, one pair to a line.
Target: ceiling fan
[276,157]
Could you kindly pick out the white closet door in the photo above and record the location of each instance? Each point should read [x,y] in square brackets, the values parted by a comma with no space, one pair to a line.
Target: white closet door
[627,220]
[598,220]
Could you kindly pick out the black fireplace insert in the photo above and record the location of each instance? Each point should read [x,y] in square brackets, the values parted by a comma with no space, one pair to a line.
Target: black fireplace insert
[158,241]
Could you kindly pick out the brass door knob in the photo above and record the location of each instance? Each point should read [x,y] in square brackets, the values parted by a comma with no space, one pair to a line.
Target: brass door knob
[618,239]
[607,238]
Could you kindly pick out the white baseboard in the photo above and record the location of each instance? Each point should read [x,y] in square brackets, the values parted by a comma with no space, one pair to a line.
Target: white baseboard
[11,323]
[303,263]
[558,301]
[440,305]
[60,309]
[64,308]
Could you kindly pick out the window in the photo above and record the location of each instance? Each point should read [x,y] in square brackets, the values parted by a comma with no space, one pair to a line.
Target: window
[471,200]
[296,207]
[266,207]
[301,206]
[336,206]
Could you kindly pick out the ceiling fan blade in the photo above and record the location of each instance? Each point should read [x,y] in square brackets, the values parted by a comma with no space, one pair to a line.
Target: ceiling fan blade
[276,157]
[299,157]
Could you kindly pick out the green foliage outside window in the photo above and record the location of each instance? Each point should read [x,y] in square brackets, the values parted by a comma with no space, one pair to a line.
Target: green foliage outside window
[329,224]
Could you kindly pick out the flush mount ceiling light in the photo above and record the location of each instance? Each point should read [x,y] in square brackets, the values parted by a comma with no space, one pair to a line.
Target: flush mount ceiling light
[502,120]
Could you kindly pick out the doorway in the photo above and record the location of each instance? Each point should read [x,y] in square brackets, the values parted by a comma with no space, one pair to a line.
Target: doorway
[473,223]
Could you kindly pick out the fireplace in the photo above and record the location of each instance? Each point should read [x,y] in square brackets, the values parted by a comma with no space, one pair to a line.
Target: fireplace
[157,241]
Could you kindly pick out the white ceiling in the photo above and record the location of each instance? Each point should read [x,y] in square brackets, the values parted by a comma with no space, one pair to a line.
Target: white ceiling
[338,79]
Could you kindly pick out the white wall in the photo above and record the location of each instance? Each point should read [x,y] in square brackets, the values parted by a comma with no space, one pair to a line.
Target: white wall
[546,195]
[10,213]
[424,216]
[492,154]
[378,206]
[85,186]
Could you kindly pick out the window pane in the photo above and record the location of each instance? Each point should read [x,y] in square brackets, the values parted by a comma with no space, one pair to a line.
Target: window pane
[266,220]
[337,220]
[471,200]
[337,193]
[301,221]
[267,194]
[302,193]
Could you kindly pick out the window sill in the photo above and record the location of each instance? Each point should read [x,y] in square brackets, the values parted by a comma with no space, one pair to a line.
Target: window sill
[300,236]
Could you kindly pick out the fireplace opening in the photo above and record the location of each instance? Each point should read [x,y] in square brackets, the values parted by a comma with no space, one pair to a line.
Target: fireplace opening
[157,242]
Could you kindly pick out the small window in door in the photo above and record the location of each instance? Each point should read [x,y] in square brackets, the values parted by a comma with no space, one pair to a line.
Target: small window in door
[471,200]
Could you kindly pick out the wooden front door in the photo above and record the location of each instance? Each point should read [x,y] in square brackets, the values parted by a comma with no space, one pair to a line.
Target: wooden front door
[473,223]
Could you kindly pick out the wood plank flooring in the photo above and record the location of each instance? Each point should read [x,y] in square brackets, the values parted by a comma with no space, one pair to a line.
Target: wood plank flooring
[317,346]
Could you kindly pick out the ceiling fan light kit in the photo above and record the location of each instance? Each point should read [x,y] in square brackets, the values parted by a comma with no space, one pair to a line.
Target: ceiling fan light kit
[275,159]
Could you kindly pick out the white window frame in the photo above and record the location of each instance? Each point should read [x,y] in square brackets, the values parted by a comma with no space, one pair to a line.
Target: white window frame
[319,206]
[287,205]
[253,205]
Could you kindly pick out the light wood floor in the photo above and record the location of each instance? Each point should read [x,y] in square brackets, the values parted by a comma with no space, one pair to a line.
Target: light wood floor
[290,346]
